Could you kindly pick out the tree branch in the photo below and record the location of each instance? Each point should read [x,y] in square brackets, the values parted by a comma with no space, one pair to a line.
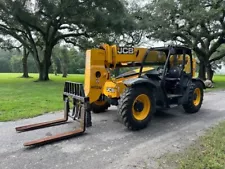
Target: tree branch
[215,46]
[10,47]
[16,36]
[218,57]
[200,53]
[181,35]
[63,36]
[23,22]
[35,52]
[13,29]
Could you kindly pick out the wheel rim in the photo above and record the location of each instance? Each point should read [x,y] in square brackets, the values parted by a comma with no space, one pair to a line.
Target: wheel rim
[141,107]
[197,98]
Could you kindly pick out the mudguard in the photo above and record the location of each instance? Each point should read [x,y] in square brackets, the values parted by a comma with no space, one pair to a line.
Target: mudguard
[199,80]
[140,81]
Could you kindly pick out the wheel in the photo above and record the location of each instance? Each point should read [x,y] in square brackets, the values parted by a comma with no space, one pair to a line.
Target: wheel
[100,106]
[136,107]
[195,97]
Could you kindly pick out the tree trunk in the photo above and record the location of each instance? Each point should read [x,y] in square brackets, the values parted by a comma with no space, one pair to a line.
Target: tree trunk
[64,67]
[210,72]
[202,71]
[45,65]
[64,73]
[43,71]
[24,61]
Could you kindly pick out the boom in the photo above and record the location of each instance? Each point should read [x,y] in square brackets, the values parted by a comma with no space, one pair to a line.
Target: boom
[100,61]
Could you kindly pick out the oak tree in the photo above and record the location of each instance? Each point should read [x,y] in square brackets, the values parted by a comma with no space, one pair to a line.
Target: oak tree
[39,25]
[199,24]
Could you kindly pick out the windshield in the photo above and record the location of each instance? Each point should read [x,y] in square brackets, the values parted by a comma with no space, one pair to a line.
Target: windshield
[126,72]
[154,58]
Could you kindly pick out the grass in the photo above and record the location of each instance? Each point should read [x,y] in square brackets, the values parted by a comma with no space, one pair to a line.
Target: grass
[208,152]
[219,81]
[24,98]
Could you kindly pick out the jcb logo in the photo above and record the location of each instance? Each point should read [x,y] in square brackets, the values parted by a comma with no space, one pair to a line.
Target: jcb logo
[125,50]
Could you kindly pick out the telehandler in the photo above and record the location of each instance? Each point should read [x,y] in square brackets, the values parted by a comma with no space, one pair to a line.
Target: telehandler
[165,78]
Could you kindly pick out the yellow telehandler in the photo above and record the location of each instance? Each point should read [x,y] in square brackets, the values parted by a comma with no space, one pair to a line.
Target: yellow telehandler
[162,77]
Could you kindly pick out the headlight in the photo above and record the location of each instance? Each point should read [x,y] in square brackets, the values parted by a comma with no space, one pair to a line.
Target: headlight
[111,90]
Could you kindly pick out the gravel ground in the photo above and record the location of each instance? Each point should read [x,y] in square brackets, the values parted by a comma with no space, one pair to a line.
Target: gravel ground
[108,144]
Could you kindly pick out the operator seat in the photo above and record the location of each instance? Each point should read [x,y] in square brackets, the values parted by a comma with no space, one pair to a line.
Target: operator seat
[174,73]
[175,70]
[172,79]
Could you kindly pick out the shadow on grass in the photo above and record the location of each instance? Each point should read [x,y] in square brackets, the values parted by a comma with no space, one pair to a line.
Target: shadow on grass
[29,77]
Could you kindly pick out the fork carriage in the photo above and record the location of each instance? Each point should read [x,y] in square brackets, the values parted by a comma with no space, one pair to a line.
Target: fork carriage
[73,95]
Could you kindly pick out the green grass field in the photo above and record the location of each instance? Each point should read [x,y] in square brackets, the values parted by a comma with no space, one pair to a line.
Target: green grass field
[208,152]
[24,98]
[219,81]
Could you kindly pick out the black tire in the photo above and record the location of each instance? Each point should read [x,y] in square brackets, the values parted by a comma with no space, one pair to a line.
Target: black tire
[126,105]
[96,108]
[189,106]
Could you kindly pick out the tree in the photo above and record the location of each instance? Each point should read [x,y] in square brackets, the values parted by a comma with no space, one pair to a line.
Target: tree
[200,24]
[15,63]
[218,56]
[77,61]
[42,25]
[55,63]
[215,62]
[24,62]
[134,36]
[5,61]
[9,43]
[64,60]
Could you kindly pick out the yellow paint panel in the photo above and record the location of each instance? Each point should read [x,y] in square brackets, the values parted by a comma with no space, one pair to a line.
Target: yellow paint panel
[144,69]
[95,62]
[156,56]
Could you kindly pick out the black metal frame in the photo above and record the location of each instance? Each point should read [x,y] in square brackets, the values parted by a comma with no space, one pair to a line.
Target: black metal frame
[179,50]
[168,51]
[81,113]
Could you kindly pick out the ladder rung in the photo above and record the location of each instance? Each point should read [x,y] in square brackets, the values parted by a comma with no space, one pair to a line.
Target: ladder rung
[174,95]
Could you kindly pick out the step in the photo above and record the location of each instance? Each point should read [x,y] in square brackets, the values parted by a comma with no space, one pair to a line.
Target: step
[173,105]
[174,95]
